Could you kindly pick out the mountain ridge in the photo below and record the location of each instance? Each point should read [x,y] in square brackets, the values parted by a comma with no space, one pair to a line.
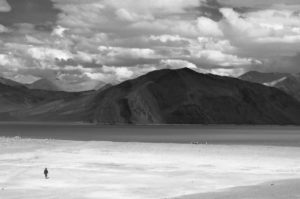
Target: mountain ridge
[167,96]
[43,84]
[289,83]
[145,83]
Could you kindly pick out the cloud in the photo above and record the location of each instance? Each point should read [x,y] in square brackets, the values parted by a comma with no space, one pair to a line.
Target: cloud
[177,64]
[116,74]
[125,15]
[262,34]
[162,6]
[260,24]
[167,38]
[141,33]
[209,27]
[114,40]
[59,31]
[127,52]
[256,4]
[281,64]
[4,6]
[235,72]
[215,57]
[45,53]
[8,60]
[121,73]
[124,56]
[33,40]
[209,43]
[3,29]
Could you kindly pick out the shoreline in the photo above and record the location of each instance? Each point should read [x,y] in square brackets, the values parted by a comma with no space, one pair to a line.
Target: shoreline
[282,189]
[15,138]
[231,135]
[204,126]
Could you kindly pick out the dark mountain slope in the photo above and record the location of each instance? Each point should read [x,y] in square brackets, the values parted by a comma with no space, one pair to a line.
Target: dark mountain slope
[9,82]
[72,108]
[291,85]
[15,98]
[171,97]
[184,96]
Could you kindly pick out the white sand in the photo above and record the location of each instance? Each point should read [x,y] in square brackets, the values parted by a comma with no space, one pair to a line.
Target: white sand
[287,189]
[135,170]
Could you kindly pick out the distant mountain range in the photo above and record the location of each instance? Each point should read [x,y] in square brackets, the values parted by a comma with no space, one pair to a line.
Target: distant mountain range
[9,82]
[289,83]
[57,85]
[44,84]
[161,97]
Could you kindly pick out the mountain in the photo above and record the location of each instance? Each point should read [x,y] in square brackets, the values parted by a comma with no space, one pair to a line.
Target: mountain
[12,98]
[59,85]
[44,84]
[261,78]
[9,82]
[186,97]
[289,83]
[174,97]
[17,98]
[101,87]
[70,107]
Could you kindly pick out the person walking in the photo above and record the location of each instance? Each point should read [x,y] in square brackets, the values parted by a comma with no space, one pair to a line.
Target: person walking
[46,173]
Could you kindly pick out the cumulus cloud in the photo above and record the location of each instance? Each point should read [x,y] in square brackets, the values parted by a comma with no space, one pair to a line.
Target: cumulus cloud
[235,72]
[125,15]
[4,6]
[256,4]
[141,16]
[162,6]
[124,56]
[261,24]
[121,73]
[44,53]
[3,29]
[59,31]
[208,27]
[177,64]
[222,59]
[9,60]
[263,33]
[33,40]
[168,38]
[114,40]
[139,33]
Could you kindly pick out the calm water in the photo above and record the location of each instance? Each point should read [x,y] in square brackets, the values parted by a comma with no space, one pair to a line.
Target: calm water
[258,135]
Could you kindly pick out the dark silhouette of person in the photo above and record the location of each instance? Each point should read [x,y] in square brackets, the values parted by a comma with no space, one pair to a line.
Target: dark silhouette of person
[46,173]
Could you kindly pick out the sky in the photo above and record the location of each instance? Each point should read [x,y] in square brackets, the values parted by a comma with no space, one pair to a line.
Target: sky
[80,42]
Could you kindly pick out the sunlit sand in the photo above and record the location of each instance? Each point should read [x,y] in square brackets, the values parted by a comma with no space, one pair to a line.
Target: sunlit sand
[113,170]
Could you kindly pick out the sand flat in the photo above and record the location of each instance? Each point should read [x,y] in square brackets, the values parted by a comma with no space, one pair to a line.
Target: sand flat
[287,189]
[113,170]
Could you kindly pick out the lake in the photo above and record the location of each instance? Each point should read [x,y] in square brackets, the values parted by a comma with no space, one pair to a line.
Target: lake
[250,135]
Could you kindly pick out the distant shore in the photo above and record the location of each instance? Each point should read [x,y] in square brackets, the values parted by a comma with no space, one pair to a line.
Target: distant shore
[218,126]
[194,134]
[287,189]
